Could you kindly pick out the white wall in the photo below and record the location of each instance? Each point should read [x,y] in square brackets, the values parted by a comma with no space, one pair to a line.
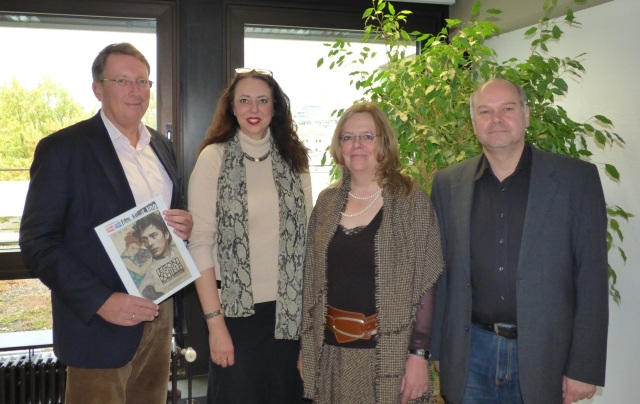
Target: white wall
[609,35]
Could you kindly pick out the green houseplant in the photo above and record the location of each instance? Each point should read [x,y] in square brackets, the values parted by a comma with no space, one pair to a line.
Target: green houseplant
[426,96]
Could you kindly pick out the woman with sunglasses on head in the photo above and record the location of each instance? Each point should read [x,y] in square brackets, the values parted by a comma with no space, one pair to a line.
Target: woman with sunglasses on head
[250,196]
[373,256]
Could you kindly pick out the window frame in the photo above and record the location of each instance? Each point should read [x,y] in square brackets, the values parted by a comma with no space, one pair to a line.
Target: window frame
[11,263]
[345,17]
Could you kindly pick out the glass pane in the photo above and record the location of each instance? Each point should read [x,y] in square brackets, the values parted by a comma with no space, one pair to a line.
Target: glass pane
[26,306]
[292,55]
[45,85]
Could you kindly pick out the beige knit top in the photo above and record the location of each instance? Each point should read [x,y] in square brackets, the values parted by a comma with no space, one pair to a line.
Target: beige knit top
[263,213]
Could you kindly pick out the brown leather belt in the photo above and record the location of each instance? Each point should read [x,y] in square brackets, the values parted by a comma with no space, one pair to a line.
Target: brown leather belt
[350,326]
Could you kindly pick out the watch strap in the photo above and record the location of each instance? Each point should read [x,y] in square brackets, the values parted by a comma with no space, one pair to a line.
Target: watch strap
[425,353]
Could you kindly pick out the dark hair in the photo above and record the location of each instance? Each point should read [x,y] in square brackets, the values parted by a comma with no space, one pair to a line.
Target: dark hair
[389,167]
[152,219]
[283,129]
[124,48]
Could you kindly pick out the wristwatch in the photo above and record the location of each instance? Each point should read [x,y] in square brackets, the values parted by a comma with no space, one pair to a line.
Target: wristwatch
[425,353]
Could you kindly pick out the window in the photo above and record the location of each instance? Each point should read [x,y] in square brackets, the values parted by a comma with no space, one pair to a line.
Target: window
[212,40]
[315,93]
[46,88]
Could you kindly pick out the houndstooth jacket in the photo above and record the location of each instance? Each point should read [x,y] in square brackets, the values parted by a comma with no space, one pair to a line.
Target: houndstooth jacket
[408,259]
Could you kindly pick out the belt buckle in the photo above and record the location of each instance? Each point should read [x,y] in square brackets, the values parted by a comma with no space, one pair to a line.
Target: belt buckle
[357,320]
[504,330]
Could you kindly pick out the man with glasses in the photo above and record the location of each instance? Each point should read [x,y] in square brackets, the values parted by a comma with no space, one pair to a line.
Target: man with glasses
[116,346]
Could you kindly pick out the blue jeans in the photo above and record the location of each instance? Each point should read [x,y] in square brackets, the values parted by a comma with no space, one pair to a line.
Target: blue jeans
[493,376]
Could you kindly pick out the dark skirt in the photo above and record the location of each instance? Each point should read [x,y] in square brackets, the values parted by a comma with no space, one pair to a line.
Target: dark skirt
[265,369]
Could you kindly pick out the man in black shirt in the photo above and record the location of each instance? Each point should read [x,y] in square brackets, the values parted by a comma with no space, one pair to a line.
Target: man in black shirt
[522,307]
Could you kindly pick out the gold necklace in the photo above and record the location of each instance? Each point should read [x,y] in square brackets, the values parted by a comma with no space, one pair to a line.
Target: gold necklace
[257,159]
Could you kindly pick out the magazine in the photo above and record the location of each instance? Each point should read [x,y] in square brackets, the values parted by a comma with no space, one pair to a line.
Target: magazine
[152,262]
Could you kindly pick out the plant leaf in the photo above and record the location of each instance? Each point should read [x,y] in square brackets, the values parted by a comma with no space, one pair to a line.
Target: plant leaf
[612,171]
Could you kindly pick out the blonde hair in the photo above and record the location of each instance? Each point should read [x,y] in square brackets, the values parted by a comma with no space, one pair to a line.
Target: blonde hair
[389,167]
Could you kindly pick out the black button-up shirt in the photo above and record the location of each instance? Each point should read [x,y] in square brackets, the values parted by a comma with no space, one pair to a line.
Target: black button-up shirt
[497,221]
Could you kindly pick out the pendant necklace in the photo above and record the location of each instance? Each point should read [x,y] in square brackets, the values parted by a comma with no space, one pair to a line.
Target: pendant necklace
[257,159]
[377,194]
[364,198]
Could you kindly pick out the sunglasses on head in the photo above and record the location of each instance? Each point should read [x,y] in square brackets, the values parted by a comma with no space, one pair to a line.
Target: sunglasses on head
[241,70]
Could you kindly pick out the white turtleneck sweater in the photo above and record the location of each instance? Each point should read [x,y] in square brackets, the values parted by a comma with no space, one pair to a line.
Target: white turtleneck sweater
[263,212]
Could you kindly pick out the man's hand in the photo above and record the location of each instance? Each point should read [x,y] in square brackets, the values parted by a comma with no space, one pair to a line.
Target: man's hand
[181,221]
[574,391]
[415,381]
[123,309]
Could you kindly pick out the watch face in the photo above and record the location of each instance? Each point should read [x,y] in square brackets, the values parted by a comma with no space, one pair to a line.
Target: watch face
[425,353]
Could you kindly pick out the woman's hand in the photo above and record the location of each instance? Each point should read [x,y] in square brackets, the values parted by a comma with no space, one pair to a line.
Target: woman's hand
[415,382]
[181,221]
[300,365]
[220,345]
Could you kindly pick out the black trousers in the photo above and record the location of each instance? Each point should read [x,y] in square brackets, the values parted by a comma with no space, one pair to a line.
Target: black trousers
[265,369]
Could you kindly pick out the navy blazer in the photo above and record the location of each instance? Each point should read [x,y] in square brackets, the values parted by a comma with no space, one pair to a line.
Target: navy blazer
[562,285]
[77,183]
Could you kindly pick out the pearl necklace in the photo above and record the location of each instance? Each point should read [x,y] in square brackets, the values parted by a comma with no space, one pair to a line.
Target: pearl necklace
[257,159]
[377,194]
[364,198]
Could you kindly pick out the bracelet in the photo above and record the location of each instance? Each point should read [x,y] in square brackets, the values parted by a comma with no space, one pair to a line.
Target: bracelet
[425,353]
[213,314]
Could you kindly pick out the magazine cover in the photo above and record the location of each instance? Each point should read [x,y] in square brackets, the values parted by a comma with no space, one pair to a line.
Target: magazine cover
[151,261]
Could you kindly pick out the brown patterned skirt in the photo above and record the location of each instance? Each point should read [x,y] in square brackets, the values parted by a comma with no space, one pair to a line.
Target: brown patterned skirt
[341,382]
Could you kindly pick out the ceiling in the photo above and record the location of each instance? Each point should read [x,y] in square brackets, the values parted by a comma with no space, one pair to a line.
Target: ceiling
[516,14]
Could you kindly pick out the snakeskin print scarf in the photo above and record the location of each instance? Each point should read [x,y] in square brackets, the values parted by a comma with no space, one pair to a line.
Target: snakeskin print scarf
[233,240]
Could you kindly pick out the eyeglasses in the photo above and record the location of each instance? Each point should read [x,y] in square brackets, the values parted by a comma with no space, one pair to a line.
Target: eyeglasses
[241,70]
[366,138]
[141,83]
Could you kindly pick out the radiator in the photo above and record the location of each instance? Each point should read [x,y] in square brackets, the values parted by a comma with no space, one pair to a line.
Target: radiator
[31,379]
